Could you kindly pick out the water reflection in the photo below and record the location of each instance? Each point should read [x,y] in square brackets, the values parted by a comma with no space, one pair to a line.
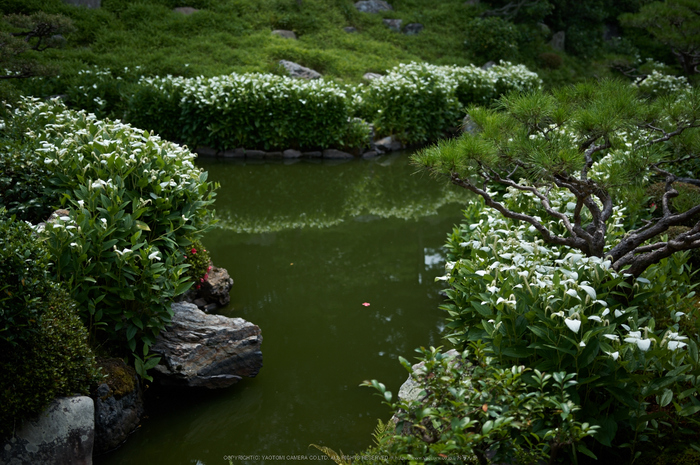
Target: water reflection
[307,245]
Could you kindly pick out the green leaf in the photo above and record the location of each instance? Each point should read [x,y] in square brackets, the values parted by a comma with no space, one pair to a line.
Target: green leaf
[666,398]
[142,226]
[584,450]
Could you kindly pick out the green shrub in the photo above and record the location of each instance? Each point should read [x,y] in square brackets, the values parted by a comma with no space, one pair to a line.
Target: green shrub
[553,310]
[56,361]
[421,102]
[257,111]
[135,202]
[492,39]
[43,343]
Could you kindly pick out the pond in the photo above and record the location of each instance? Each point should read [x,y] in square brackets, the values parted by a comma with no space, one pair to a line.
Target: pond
[308,245]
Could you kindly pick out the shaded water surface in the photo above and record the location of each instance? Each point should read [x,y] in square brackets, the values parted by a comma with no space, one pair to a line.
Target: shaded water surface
[307,244]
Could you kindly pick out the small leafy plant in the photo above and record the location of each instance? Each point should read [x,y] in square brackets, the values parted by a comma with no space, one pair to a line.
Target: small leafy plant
[469,410]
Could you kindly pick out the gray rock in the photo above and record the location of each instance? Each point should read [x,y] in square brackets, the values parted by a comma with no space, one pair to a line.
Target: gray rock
[488,64]
[52,219]
[285,34]
[185,10]
[291,153]
[370,154]
[371,76]
[336,154]
[373,6]
[236,153]
[313,154]
[469,126]
[62,434]
[85,3]
[350,29]
[389,144]
[212,351]
[558,41]
[118,406]
[297,71]
[412,29]
[57,41]
[255,154]
[216,289]
[205,151]
[411,390]
[393,24]
[273,155]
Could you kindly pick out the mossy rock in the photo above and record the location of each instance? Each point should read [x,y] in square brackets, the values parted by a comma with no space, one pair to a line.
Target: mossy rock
[120,377]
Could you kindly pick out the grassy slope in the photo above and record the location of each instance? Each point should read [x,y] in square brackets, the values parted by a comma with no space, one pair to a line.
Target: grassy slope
[235,35]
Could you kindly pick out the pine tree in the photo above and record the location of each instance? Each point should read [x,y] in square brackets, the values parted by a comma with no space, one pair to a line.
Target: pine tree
[604,143]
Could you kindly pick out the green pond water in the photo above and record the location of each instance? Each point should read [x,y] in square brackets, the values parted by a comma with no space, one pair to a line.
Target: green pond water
[308,243]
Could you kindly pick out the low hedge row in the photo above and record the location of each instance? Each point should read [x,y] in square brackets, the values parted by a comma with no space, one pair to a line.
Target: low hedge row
[415,102]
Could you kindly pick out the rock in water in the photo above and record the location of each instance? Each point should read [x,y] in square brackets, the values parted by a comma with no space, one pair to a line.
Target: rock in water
[63,433]
[201,350]
[118,405]
[216,289]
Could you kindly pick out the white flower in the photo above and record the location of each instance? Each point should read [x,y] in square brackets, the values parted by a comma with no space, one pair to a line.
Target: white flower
[595,318]
[614,355]
[644,344]
[122,252]
[574,325]
[582,344]
[673,345]
[613,337]
[572,293]
[154,256]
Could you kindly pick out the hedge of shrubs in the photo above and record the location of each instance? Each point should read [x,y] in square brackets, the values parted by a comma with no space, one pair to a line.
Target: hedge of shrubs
[415,102]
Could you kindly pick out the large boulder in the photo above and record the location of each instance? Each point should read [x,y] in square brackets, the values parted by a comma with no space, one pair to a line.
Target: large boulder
[118,405]
[297,71]
[201,350]
[373,6]
[62,434]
